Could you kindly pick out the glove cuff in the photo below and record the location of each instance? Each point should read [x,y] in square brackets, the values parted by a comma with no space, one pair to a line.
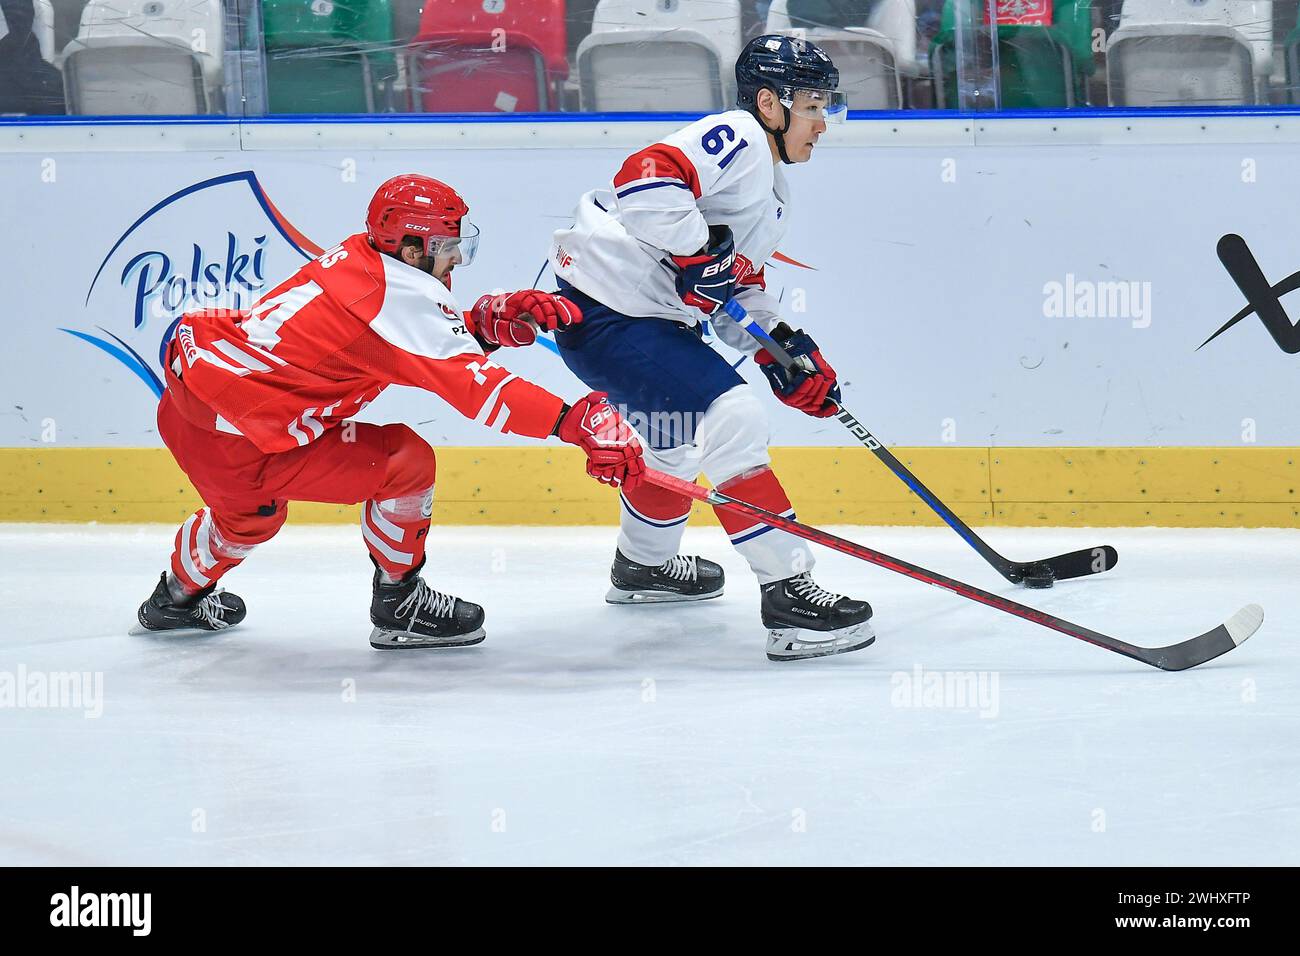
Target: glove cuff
[565,408]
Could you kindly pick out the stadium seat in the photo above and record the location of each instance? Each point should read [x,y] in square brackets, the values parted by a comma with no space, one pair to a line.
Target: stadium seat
[43,28]
[328,56]
[1292,50]
[67,17]
[660,55]
[146,57]
[1190,52]
[489,56]
[1039,65]
[872,50]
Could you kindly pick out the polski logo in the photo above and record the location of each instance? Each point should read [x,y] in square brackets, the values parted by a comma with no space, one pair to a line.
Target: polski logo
[231,280]
[206,246]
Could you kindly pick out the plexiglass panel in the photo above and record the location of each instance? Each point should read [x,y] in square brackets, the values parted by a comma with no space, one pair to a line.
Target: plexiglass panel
[313,57]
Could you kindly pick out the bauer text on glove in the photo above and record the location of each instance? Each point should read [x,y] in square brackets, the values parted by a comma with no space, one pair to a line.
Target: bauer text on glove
[707,279]
[613,452]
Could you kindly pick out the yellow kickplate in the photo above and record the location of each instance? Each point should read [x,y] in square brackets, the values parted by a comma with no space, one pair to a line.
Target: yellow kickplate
[1173,487]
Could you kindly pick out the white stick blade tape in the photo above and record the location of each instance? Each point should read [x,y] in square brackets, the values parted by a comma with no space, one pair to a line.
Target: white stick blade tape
[1245,623]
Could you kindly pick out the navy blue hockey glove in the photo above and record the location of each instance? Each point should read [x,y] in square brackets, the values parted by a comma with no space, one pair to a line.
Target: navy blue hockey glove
[811,386]
[707,279]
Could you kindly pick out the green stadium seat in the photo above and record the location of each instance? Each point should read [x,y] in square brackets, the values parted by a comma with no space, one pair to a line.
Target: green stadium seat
[328,56]
[1039,66]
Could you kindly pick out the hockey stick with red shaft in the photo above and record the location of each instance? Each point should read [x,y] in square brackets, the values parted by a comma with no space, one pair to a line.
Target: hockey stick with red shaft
[1037,574]
[1175,657]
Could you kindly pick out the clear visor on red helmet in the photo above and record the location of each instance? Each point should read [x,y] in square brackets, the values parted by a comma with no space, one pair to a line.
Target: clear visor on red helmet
[461,247]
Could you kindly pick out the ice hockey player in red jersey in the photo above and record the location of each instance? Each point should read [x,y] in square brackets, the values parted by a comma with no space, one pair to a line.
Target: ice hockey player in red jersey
[685,225]
[259,403]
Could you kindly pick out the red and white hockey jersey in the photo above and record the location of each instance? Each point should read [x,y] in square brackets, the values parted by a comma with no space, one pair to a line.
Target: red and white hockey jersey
[321,345]
[716,172]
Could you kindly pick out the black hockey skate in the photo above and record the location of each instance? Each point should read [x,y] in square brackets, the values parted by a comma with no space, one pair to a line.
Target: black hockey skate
[680,578]
[410,614]
[804,620]
[211,609]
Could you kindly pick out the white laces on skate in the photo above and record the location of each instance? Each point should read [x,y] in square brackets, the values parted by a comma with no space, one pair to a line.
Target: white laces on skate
[805,587]
[425,598]
[681,568]
[212,610]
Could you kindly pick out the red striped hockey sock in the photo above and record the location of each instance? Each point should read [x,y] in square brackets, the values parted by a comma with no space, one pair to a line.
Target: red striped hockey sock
[203,552]
[395,530]
[651,525]
[772,554]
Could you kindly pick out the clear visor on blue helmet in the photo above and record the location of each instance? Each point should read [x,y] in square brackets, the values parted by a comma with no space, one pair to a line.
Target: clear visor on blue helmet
[461,247]
[828,105]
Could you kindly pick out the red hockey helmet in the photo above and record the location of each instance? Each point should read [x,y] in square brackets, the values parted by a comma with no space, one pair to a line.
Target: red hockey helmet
[415,205]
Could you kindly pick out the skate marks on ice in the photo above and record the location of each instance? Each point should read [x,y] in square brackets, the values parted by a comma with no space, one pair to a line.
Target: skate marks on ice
[581,732]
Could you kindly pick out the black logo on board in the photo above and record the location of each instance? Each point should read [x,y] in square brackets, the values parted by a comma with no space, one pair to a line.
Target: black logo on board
[1263,299]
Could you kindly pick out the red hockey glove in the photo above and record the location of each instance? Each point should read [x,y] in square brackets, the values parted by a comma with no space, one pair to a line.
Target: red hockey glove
[613,452]
[513,318]
[815,393]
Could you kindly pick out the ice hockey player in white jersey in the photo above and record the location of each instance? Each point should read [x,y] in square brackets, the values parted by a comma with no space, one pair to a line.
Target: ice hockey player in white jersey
[686,224]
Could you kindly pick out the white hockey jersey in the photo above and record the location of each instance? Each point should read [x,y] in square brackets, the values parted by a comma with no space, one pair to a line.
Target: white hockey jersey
[716,172]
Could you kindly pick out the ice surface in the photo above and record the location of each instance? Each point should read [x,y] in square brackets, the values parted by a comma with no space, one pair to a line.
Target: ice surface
[586,733]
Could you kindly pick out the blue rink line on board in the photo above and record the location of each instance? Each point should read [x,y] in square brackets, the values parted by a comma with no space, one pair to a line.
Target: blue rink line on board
[336,119]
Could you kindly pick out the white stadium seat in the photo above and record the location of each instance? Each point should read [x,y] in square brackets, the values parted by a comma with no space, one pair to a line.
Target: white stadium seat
[871,57]
[146,57]
[655,55]
[1190,52]
[43,27]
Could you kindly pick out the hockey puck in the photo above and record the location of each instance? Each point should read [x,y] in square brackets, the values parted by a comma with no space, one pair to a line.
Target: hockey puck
[1038,581]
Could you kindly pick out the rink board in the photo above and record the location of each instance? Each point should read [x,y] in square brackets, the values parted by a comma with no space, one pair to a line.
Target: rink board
[1021,304]
[1171,487]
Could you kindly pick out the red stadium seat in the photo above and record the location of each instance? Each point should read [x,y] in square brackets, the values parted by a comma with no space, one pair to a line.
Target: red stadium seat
[489,56]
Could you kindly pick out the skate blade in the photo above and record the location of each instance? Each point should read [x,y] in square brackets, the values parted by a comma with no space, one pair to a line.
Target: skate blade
[385,640]
[139,630]
[795,643]
[619,596]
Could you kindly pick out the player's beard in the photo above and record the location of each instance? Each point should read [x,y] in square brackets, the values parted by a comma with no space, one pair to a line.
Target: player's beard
[429,265]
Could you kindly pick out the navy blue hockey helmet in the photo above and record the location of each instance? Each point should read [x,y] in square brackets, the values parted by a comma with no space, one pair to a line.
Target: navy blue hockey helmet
[788,66]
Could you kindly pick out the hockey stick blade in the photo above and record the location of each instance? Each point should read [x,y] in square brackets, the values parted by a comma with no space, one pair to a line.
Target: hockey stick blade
[1076,564]
[1214,642]
[1174,657]
[1041,573]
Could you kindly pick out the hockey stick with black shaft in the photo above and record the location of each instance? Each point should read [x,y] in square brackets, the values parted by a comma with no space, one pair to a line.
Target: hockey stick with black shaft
[1036,574]
[1175,657]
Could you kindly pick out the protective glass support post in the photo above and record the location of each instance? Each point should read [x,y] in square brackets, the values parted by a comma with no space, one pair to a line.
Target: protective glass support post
[244,59]
[975,41]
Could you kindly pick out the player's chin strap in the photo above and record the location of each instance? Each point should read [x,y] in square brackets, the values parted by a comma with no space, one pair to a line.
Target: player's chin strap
[778,135]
